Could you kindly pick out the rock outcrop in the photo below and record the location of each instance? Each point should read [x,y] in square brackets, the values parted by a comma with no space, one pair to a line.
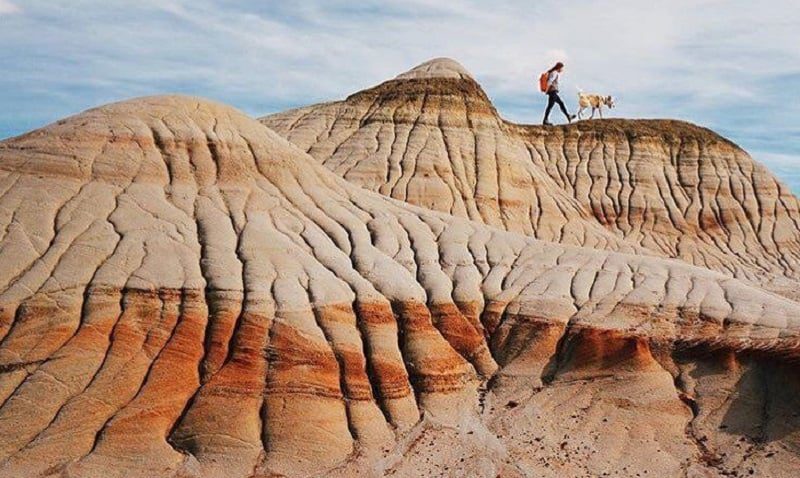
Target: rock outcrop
[431,137]
[184,293]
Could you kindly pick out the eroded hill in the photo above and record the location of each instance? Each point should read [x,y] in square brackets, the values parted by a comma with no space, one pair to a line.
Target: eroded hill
[184,293]
[431,137]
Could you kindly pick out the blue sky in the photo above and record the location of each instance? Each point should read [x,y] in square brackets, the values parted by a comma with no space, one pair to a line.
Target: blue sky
[733,66]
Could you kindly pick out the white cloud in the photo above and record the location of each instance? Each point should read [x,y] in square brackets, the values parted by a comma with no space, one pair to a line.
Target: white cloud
[778,159]
[785,166]
[7,8]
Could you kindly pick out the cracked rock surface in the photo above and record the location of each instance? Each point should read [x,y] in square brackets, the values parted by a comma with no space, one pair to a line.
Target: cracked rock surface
[184,293]
[431,137]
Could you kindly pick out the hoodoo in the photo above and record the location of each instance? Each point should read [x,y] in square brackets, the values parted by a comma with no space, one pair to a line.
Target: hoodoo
[185,293]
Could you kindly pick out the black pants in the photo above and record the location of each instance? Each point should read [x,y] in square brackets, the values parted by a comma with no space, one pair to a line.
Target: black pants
[552,99]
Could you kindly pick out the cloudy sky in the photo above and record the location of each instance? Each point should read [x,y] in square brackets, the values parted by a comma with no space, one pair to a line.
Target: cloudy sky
[730,65]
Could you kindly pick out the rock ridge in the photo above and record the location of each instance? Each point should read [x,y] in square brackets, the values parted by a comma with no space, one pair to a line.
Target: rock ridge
[185,293]
[662,187]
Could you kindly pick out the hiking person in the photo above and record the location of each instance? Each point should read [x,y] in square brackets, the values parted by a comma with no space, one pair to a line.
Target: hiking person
[548,83]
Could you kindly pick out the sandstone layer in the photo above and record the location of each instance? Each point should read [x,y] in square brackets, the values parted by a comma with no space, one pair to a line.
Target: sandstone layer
[183,293]
[431,137]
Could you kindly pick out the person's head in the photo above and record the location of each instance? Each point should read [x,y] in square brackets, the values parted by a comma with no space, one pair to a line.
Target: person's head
[557,67]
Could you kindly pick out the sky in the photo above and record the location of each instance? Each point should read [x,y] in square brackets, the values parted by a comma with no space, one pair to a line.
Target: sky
[733,66]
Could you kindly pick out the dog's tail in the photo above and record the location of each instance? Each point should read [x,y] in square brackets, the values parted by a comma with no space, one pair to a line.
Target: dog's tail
[580,90]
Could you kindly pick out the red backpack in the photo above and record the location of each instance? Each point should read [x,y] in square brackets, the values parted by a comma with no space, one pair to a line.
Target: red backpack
[543,82]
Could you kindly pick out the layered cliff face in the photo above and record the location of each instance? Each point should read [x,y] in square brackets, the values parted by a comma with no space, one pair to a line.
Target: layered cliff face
[186,294]
[432,138]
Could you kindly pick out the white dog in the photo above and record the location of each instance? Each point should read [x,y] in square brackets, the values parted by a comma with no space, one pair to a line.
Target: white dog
[596,102]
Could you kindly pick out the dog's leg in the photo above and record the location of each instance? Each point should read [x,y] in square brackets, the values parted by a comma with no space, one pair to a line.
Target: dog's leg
[592,117]
[600,110]
[580,110]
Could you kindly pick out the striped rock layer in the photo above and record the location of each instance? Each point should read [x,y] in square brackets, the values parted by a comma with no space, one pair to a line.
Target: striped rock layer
[431,137]
[183,293]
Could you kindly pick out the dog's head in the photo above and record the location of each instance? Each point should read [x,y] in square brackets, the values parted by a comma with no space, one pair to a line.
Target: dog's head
[609,101]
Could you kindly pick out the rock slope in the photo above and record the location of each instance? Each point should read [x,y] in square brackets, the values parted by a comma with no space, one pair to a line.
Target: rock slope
[431,137]
[183,293]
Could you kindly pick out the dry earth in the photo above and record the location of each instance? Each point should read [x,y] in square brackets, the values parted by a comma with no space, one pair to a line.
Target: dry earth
[431,137]
[184,293]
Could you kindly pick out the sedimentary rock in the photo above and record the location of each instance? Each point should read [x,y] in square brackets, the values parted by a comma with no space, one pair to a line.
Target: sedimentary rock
[431,137]
[185,293]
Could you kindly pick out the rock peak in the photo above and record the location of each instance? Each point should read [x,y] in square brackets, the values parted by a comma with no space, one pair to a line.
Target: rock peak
[436,68]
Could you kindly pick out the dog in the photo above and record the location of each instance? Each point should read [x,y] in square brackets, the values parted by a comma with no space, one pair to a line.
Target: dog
[596,102]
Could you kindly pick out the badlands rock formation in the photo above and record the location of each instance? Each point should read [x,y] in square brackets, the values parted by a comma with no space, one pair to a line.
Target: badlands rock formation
[184,293]
[431,137]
